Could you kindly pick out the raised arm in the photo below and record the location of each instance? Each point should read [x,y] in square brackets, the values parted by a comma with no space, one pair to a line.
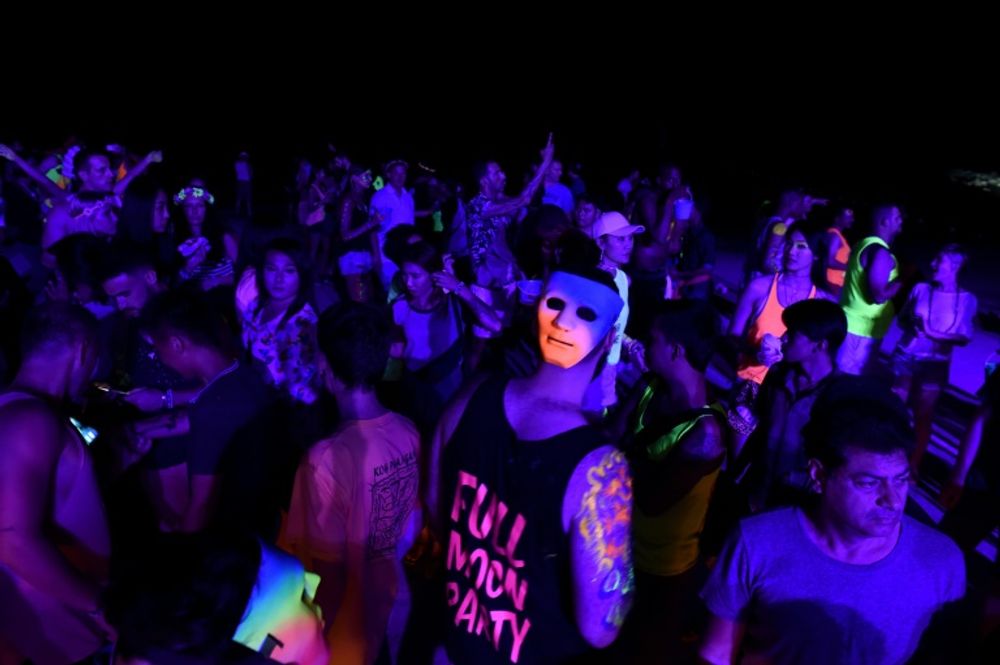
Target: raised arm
[154,157]
[50,187]
[485,316]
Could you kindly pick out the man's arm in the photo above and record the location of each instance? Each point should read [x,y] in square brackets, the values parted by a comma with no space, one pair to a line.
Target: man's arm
[210,437]
[431,484]
[317,531]
[698,454]
[203,495]
[721,642]
[340,595]
[152,400]
[170,424]
[30,441]
[597,513]
[508,206]
[483,313]
[729,594]
[51,188]
[880,267]
[154,157]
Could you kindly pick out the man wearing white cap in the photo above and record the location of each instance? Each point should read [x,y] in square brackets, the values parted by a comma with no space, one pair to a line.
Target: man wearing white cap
[616,237]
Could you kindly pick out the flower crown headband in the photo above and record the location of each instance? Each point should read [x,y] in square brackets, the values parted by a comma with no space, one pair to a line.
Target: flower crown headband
[193,193]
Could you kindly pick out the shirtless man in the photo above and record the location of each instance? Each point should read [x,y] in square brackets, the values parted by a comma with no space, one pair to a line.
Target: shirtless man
[54,540]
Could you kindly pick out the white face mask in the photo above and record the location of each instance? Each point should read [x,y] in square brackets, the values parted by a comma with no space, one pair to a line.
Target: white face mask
[574,316]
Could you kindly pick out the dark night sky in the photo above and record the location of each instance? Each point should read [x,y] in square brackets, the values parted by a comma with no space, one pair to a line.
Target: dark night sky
[741,130]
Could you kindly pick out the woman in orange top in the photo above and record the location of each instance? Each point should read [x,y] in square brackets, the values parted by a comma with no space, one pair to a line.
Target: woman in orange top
[838,251]
[757,321]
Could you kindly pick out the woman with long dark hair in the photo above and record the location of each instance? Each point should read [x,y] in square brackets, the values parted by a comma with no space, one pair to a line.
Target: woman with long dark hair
[279,325]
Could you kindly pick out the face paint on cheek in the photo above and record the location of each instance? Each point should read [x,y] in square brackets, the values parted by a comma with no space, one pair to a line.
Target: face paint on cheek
[574,315]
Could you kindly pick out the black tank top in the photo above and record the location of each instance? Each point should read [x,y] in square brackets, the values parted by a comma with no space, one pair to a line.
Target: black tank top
[361,243]
[507,558]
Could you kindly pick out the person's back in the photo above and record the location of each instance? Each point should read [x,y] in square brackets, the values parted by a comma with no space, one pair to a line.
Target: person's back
[355,497]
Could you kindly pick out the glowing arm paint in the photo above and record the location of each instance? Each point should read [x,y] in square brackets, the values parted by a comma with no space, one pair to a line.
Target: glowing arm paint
[598,505]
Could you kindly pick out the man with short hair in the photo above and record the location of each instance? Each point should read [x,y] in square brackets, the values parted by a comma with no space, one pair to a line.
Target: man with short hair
[585,213]
[676,448]
[775,451]
[227,469]
[872,281]
[93,209]
[355,496]
[850,579]
[129,279]
[554,191]
[489,216]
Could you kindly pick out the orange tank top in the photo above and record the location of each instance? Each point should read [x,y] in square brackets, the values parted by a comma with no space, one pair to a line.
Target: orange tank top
[767,322]
[836,275]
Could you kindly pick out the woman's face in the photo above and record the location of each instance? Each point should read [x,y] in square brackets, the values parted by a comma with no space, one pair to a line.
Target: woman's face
[281,276]
[416,281]
[194,212]
[161,212]
[945,267]
[798,254]
[362,180]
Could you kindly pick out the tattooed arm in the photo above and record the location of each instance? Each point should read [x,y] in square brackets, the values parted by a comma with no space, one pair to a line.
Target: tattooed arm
[597,514]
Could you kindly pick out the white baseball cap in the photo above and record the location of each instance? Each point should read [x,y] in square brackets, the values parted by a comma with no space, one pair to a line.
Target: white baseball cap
[614,224]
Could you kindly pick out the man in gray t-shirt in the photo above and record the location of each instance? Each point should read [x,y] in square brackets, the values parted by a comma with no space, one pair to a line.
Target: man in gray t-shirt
[849,580]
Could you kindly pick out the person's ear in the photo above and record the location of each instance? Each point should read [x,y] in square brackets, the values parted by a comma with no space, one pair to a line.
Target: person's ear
[817,476]
[178,344]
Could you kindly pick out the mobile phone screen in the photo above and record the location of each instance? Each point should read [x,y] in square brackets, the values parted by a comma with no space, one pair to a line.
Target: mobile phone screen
[88,434]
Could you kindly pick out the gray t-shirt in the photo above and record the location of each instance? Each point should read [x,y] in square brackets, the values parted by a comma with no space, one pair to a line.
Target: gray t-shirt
[801,606]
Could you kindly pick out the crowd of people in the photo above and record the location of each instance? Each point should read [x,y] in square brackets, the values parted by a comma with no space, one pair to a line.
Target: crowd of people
[419,422]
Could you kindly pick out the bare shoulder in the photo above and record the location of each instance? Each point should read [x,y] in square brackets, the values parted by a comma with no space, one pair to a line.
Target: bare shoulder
[873,252]
[30,423]
[704,442]
[758,286]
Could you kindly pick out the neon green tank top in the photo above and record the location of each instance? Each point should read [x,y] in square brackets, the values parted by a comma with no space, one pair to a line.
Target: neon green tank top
[866,318]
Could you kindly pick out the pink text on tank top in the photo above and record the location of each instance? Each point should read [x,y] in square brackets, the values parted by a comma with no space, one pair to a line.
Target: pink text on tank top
[491,567]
